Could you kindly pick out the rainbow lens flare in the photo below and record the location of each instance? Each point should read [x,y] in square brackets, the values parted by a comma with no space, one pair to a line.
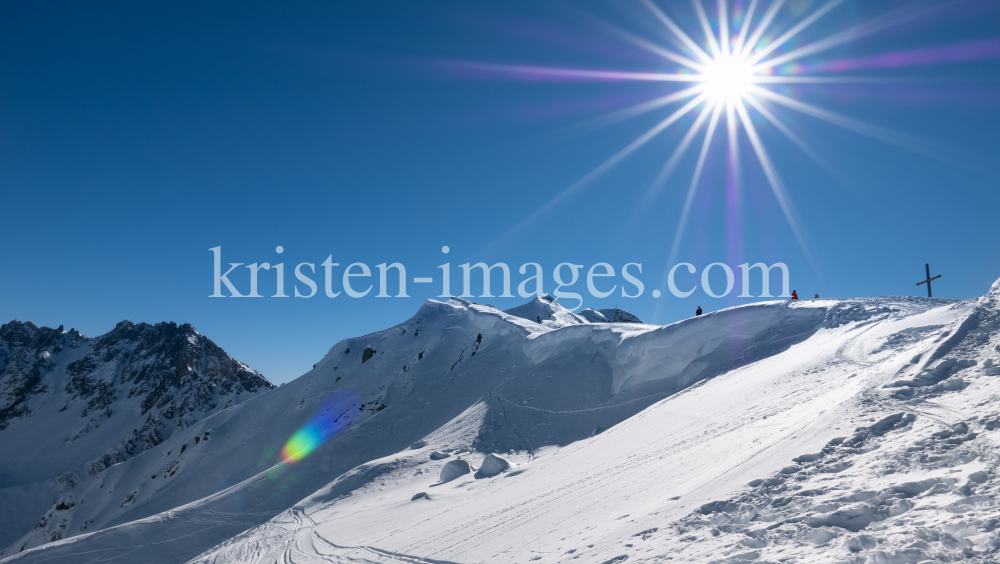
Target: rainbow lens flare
[339,411]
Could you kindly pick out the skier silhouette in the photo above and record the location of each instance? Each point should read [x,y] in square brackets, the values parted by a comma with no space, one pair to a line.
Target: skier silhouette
[698,311]
[795,295]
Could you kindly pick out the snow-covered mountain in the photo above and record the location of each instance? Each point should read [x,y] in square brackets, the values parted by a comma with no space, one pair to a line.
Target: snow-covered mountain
[858,430]
[72,406]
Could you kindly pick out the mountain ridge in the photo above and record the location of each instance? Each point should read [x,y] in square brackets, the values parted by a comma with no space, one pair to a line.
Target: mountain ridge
[411,379]
[77,405]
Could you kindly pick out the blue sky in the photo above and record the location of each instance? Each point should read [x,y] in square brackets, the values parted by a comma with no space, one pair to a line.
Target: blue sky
[134,138]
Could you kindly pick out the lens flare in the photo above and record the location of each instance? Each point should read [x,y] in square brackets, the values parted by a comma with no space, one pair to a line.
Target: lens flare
[339,411]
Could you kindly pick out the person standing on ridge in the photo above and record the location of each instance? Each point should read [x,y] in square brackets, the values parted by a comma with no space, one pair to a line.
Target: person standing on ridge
[795,295]
[697,312]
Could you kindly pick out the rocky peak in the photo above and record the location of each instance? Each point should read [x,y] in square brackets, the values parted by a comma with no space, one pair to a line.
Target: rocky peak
[165,374]
[27,335]
[26,353]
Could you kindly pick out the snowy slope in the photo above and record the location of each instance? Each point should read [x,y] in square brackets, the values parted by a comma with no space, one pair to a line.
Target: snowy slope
[72,406]
[418,376]
[872,441]
[827,430]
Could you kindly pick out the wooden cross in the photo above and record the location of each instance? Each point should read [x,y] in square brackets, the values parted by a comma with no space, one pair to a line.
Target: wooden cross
[928,280]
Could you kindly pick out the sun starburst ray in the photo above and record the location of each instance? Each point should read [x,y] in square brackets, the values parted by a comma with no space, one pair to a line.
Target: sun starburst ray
[635,110]
[790,34]
[646,202]
[734,177]
[963,52]
[744,27]
[791,135]
[606,165]
[675,157]
[732,138]
[677,31]
[805,79]
[695,178]
[651,47]
[537,73]
[896,17]
[706,28]
[640,141]
[777,187]
[758,31]
[723,28]
[910,143]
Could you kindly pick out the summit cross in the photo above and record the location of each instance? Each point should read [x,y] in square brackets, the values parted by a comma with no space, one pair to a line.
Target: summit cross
[928,280]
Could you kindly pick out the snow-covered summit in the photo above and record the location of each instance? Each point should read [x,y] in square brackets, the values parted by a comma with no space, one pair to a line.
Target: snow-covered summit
[610,315]
[546,311]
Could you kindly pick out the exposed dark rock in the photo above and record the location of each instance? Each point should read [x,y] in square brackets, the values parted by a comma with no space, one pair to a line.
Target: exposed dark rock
[177,376]
[367,354]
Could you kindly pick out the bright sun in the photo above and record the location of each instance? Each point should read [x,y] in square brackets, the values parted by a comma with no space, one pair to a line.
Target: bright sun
[735,73]
[728,79]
